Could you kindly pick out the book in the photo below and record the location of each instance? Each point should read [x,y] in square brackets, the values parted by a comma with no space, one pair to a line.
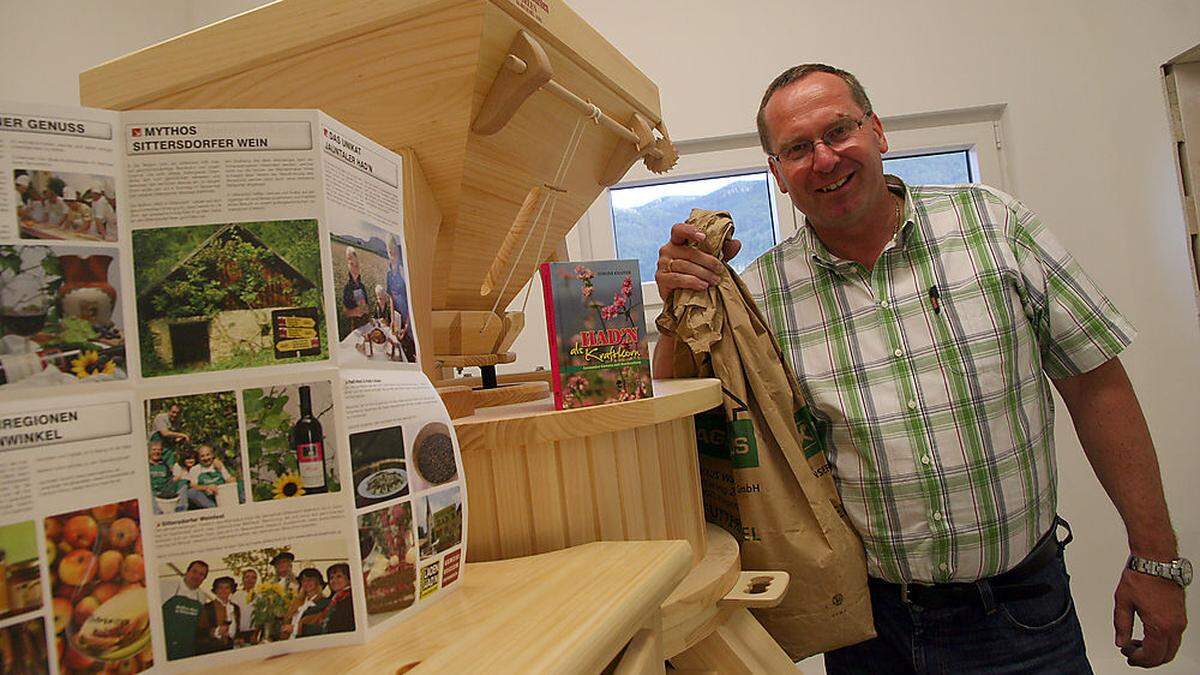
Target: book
[596,326]
[221,445]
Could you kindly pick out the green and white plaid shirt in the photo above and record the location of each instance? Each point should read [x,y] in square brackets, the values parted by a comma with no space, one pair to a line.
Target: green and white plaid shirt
[934,405]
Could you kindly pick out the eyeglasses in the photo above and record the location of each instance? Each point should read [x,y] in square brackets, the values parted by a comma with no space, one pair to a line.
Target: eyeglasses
[837,137]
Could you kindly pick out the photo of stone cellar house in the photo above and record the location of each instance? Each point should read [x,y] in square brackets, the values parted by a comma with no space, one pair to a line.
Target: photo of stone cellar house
[232,300]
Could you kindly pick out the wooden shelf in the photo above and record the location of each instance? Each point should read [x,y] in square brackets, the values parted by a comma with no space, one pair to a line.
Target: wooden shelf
[512,616]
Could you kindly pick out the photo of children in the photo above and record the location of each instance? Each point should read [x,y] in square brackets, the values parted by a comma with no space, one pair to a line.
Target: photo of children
[194,452]
[20,576]
[372,295]
[60,315]
[245,598]
[23,648]
[55,205]
[386,542]
[100,607]
[380,472]
[238,295]
[439,521]
[291,440]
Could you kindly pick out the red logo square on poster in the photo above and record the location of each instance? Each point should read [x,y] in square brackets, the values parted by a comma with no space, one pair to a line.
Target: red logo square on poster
[450,567]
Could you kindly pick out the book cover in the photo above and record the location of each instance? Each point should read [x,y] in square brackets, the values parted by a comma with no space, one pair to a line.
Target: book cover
[597,331]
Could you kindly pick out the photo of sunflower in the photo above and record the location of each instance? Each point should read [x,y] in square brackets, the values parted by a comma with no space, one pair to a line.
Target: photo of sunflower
[288,485]
[88,364]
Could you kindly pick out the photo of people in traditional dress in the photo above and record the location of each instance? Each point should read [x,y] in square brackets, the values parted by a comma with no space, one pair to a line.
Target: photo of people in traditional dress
[194,452]
[234,295]
[291,440]
[389,554]
[59,205]
[439,521]
[98,586]
[245,598]
[373,308]
[60,316]
[23,648]
[20,575]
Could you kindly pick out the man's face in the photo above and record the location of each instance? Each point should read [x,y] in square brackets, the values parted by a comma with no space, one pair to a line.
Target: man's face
[249,579]
[206,456]
[195,575]
[284,568]
[174,412]
[803,111]
[155,453]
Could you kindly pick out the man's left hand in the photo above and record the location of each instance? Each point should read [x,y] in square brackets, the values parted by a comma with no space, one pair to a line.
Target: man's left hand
[1160,605]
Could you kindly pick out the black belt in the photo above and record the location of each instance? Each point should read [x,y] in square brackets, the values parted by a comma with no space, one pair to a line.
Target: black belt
[1010,585]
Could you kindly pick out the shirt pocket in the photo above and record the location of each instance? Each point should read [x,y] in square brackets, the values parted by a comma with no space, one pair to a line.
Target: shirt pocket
[974,324]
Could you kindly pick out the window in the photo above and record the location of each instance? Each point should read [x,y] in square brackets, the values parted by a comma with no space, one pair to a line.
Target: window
[934,168]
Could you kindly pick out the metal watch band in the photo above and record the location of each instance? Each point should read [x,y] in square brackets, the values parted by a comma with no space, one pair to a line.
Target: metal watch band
[1178,570]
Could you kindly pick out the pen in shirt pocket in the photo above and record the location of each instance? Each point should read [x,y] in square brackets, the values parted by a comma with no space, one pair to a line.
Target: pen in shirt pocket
[935,299]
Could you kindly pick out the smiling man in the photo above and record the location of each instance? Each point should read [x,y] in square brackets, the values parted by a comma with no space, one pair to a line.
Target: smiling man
[926,325]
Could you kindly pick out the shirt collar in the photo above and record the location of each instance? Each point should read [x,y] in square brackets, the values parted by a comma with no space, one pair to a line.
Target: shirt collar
[822,256]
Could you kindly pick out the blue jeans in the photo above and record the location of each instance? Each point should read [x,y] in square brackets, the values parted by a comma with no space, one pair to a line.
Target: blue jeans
[200,500]
[1033,635]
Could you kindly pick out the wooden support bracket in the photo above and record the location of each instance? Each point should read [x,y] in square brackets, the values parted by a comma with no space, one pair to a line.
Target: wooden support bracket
[756,589]
[511,87]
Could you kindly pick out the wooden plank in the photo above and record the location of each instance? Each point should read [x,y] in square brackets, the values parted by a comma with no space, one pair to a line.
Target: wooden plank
[577,492]
[483,530]
[633,500]
[650,470]
[739,646]
[546,498]
[606,482]
[687,463]
[675,494]
[513,517]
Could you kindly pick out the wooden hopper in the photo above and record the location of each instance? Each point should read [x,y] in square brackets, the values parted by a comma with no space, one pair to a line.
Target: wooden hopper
[482,97]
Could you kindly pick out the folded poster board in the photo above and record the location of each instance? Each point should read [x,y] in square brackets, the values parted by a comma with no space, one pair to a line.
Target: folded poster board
[215,435]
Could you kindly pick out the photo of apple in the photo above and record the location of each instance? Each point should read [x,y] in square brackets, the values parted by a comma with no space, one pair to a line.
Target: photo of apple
[97,579]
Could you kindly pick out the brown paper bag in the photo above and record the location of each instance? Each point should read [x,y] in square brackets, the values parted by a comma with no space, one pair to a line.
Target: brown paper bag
[788,514]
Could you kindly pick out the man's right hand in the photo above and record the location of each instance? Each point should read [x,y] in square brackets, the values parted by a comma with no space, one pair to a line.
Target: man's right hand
[681,265]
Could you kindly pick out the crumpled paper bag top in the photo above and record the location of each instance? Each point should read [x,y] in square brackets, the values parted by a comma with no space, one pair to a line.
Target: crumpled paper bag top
[695,317]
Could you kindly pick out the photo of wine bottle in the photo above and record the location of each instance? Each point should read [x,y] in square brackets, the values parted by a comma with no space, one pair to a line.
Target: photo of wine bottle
[309,443]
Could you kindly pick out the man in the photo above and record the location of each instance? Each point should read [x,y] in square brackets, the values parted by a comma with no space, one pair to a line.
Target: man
[205,478]
[181,610]
[923,324]
[166,425]
[282,562]
[162,484]
[241,598]
[219,619]
[397,289]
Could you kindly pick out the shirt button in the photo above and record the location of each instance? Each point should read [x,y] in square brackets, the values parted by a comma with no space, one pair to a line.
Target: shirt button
[898,353]
[883,304]
[943,567]
[925,459]
[937,515]
[912,405]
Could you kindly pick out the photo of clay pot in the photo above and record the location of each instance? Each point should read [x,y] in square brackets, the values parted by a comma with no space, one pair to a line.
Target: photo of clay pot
[237,295]
[101,615]
[60,316]
[61,205]
[433,458]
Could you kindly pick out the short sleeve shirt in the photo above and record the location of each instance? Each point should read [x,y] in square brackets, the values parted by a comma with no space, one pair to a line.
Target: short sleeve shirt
[928,375]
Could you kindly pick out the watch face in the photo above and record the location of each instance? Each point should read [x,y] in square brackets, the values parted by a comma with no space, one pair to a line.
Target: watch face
[1185,570]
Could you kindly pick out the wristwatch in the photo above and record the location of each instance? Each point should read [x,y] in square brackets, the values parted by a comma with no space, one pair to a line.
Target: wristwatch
[1178,570]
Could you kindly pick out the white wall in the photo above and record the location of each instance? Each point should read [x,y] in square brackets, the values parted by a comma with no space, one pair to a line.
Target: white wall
[1088,148]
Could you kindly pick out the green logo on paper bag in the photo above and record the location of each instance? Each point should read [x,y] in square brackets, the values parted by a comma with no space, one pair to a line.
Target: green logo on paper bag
[810,429]
[743,446]
[712,436]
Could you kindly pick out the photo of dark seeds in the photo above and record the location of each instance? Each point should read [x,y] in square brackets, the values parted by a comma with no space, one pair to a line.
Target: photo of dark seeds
[434,453]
